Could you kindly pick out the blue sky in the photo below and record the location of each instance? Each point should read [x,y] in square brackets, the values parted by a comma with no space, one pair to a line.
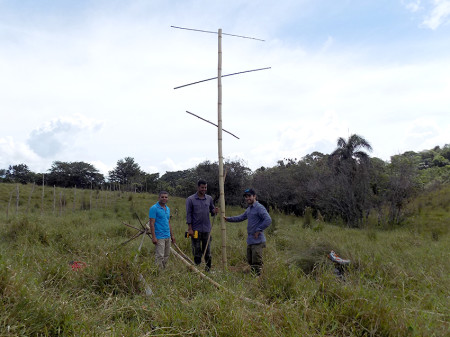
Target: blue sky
[93,80]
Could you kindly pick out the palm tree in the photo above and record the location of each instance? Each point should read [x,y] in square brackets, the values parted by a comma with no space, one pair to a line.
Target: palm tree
[350,183]
[352,149]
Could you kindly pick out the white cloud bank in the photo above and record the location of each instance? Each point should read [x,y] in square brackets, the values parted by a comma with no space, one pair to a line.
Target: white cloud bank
[120,70]
[57,136]
[437,12]
[439,15]
[57,139]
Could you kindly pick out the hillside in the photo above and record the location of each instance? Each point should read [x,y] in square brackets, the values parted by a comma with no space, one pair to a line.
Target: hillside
[397,283]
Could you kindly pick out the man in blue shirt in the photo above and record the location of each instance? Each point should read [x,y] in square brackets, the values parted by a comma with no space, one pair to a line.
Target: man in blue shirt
[162,236]
[198,208]
[258,220]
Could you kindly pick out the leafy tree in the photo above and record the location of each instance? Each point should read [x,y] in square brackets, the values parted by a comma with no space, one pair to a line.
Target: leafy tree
[350,183]
[237,179]
[126,172]
[2,175]
[69,174]
[150,180]
[179,183]
[402,186]
[439,160]
[19,174]
[184,183]
[285,186]
[352,149]
[445,152]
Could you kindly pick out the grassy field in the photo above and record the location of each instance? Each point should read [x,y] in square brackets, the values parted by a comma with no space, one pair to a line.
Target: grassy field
[397,284]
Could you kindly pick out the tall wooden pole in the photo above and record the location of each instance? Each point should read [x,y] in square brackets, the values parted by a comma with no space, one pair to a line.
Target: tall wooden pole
[219,141]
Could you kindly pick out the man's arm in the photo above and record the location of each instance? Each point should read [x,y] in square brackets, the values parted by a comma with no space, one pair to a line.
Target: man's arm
[189,216]
[237,218]
[172,238]
[152,229]
[265,217]
[212,209]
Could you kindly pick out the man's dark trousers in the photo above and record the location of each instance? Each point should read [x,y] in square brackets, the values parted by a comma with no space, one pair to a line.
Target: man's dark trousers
[198,248]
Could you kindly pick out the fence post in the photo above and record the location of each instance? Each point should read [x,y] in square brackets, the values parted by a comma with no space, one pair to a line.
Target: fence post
[54,199]
[74,197]
[9,204]
[29,198]
[42,201]
[17,199]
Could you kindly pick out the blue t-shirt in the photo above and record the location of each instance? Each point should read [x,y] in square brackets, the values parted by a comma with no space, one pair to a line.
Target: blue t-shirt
[161,216]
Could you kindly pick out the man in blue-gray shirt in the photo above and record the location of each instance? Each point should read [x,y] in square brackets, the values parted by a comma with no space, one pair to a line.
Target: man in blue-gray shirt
[258,221]
[198,208]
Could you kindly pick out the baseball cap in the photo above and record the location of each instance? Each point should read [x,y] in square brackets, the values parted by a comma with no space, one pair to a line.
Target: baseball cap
[249,191]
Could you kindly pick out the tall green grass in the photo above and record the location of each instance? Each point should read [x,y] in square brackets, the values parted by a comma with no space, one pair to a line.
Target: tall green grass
[397,284]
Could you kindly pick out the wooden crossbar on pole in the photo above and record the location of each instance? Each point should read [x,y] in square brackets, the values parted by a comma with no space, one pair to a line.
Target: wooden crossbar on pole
[211,32]
[207,121]
[213,78]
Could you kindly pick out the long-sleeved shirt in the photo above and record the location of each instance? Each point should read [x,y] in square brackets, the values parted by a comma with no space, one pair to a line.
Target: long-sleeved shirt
[258,221]
[197,212]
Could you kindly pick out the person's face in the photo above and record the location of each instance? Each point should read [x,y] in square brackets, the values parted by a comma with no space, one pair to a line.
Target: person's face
[163,198]
[202,189]
[250,199]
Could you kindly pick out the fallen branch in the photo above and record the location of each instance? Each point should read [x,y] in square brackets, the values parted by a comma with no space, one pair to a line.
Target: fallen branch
[217,285]
[183,254]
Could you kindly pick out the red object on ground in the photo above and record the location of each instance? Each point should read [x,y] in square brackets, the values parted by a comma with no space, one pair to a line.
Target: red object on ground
[77,265]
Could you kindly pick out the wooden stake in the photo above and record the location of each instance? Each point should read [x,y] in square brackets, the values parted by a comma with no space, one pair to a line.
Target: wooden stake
[42,199]
[9,204]
[29,198]
[74,198]
[54,199]
[60,203]
[17,199]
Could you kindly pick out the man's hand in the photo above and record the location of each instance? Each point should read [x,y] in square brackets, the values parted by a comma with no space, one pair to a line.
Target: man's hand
[256,234]
[225,218]
[191,232]
[216,210]
[154,240]
[172,239]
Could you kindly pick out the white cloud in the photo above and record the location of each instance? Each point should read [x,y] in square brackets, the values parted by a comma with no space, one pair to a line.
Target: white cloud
[423,133]
[176,165]
[13,153]
[102,167]
[412,6]
[301,136]
[121,68]
[58,135]
[439,14]
[328,44]
[437,11]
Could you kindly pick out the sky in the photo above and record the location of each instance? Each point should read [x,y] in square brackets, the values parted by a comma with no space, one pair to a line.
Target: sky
[94,81]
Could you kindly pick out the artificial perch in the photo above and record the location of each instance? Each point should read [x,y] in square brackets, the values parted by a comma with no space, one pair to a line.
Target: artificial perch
[338,262]
[146,231]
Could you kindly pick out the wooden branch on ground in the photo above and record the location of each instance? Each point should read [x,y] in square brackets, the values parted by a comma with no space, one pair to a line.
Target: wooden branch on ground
[214,283]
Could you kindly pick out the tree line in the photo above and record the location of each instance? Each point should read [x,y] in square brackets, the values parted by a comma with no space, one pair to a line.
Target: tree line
[347,186]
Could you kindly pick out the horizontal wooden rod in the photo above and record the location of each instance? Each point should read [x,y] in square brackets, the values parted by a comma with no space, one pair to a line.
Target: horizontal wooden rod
[207,121]
[213,78]
[208,31]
